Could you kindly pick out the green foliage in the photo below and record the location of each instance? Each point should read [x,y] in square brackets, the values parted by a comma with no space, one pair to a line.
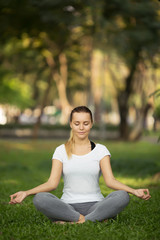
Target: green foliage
[33,30]
[133,26]
[156,95]
[13,91]
[25,164]
[157,111]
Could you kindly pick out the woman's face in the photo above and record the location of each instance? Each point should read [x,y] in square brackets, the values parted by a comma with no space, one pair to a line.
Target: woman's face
[81,124]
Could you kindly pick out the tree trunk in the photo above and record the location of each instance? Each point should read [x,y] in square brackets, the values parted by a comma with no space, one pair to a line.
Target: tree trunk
[123,111]
[43,104]
[61,82]
[60,78]
[96,84]
[136,133]
[123,97]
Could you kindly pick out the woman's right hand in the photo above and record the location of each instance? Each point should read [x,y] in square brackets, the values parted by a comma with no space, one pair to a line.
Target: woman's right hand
[17,197]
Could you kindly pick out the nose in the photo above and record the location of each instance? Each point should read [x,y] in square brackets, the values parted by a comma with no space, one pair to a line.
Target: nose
[81,126]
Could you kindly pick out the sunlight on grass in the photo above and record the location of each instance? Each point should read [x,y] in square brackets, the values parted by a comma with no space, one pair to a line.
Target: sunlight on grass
[10,181]
[137,182]
[19,146]
[29,144]
[132,182]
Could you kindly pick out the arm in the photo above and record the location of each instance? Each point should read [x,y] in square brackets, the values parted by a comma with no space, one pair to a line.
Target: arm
[48,186]
[111,182]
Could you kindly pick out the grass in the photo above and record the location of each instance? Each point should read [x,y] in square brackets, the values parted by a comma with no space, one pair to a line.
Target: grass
[25,164]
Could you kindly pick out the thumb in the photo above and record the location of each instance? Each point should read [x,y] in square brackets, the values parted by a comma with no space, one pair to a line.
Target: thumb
[13,195]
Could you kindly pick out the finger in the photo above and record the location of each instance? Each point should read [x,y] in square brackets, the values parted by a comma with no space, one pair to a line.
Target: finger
[141,195]
[145,197]
[19,199]
[148,197]
[12,202]
[147,191]
[13,195]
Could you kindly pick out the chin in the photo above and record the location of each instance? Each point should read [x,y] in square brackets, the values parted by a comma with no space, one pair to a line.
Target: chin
[82,136]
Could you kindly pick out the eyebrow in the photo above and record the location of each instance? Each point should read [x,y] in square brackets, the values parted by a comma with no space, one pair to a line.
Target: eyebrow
[79,121]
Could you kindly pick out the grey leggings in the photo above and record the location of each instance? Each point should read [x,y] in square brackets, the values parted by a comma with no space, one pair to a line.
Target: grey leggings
[57,210]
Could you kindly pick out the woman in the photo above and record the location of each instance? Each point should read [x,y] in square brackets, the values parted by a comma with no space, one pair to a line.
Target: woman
[81,162]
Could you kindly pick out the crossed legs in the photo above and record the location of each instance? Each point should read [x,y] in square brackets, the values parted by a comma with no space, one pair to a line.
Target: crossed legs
[54,208]
[57,210]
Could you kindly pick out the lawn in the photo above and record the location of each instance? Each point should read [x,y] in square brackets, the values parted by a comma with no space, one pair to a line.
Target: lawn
[25,164]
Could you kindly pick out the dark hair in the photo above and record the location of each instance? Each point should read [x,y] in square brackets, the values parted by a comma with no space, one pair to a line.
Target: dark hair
[81,109]
[70,142]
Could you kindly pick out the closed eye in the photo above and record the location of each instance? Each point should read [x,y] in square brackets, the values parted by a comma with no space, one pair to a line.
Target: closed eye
[77,123]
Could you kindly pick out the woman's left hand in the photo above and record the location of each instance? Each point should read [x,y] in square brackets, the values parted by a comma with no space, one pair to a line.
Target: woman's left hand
[142,193]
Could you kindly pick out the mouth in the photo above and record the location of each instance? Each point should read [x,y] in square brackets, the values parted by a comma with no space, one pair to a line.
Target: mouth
[81,133]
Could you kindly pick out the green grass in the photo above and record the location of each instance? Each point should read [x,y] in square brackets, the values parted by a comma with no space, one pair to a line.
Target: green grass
[25,164]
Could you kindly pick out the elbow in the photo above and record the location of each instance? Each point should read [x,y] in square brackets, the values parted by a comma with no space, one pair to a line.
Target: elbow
[52,186]
[110,182]
[109,185]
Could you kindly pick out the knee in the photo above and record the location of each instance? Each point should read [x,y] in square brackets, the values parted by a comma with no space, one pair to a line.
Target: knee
[124,196]
[39,199]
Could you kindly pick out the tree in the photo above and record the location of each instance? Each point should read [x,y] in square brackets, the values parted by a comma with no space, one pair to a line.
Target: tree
[41,21]
[133,32]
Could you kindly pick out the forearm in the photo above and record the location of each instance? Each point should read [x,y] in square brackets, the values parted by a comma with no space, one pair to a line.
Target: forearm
[116,185]
[45,187]
[111,182]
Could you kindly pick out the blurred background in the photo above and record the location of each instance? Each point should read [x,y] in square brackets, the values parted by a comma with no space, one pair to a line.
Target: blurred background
[58,54]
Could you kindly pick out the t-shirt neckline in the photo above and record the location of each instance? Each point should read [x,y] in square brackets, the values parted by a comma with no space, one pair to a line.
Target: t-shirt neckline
[84,155]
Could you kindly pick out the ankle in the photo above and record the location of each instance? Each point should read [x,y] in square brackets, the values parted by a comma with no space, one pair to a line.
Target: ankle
[81,219]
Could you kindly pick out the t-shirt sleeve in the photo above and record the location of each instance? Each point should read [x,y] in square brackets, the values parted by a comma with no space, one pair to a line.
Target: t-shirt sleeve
[103,152]
[58,154]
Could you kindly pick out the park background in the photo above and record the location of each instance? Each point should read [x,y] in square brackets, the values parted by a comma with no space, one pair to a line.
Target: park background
[59,54]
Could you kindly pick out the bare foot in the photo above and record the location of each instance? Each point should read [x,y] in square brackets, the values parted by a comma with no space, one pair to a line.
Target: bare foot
[61,222]
[81,219]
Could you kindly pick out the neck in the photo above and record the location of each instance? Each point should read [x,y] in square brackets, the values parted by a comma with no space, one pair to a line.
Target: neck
[81,141]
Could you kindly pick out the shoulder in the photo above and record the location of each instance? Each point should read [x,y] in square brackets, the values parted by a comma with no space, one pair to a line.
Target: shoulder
[102,149]
[100,146]
[59,152]
[60,148]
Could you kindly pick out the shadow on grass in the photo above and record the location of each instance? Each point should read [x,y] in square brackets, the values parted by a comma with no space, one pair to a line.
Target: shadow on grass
[135,167]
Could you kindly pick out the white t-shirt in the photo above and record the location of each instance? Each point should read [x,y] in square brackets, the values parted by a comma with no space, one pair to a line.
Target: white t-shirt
[81,174]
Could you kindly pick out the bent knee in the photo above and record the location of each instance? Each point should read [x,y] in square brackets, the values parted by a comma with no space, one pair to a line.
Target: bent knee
[124,196]
[39,198]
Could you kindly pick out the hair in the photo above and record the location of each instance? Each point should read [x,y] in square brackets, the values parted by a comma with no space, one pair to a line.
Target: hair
[70,142]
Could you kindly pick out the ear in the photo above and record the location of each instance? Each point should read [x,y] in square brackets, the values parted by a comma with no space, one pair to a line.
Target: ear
[70,125]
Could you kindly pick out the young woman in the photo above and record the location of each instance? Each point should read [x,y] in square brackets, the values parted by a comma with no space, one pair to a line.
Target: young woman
[81,163]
